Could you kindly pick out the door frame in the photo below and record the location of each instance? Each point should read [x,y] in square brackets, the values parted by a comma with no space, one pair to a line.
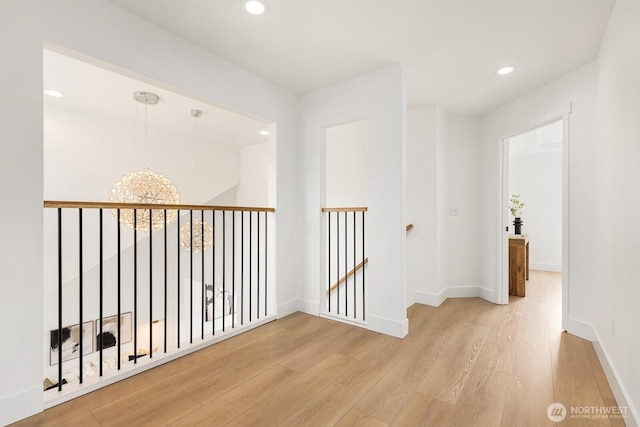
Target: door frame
[560,113]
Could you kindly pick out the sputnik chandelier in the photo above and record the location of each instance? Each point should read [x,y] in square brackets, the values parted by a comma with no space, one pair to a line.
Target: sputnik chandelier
[147,187]
[196,236]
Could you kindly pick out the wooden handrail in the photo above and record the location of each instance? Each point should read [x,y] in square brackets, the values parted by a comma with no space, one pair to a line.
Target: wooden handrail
[349,274]
[116,205]
[357,209]
[409,227]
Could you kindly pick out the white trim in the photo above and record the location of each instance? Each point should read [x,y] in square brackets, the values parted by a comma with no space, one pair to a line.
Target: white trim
[580,329]
[464,292]
[309,307]
[546,267]
[388,326]
[434,300]
[288,308]
[566,142]
[344,319]
[20,405]
[617,386]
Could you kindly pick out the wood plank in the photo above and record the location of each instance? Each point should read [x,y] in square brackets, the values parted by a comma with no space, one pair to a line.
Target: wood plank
[447,377]
[335,400]
[424,411]
[224,409]
[530,390]
[280,405]
[389,396]
[360,419]
[482,401]
[574,381]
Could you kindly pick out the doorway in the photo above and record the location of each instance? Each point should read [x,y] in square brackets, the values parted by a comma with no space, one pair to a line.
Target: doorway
[535,168]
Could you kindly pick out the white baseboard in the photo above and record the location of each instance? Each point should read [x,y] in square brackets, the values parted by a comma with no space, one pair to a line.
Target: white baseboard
[464,291]
[435,300]
[288,308]
[309,307]
[546,267]
[617,386]
[21,405]
[580,329]
[388,326]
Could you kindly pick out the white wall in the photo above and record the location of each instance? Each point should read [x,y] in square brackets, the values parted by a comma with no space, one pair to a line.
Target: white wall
[98,150]
[459,268]
[101,30]
[254,172]
[347,170]
[380,98]
[421,204]
[535,172]
[615,202]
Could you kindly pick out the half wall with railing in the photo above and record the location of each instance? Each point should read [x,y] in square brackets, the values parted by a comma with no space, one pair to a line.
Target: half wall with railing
[129,286]
[345,295]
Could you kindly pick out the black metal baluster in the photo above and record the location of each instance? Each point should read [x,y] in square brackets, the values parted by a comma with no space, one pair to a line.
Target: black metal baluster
[191,276]
[165,279]
[338,262]
[346,265]
[355,265]
[119,289]
[258,268]
[242,267]
[150,283]
[81,282]
[224,264]
[329,262]
[233,268]
[202,284]
[59,299]
[363,270]
[250,266]
[135,286]
[101,290]
[266,260]
[178,275]
[213,276]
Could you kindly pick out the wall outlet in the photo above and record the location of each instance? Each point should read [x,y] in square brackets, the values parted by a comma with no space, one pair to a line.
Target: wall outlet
[453,211]
[613,326]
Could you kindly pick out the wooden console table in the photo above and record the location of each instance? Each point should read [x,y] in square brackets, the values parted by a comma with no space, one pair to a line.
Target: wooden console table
[518,264]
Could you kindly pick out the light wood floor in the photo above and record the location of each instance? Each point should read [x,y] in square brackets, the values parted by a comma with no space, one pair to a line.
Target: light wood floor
[466,363]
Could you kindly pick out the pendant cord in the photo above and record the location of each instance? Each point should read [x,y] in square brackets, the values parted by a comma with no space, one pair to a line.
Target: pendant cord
[162,169]
[146,136]
[133,140]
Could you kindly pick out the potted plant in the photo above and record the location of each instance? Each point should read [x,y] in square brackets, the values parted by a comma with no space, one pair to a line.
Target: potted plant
[516,206]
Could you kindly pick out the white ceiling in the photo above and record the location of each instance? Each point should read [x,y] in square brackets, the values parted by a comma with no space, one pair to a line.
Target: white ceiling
[93,89]
[451,48]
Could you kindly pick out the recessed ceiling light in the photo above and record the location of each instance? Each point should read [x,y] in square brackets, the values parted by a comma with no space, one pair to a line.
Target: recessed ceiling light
[505,70]
[264,132]
[54,93]
[256,7]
